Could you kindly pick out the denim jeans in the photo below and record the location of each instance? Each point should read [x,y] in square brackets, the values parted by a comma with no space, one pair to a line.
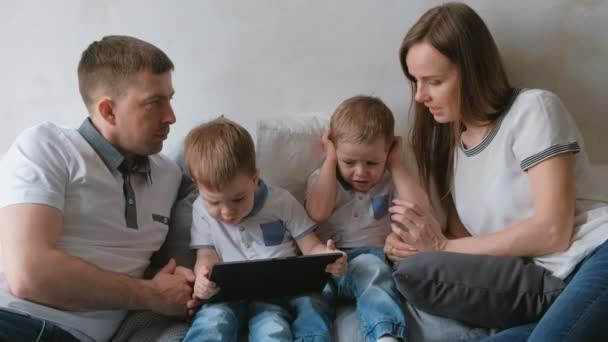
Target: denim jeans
[17,327]
[580,311]
[368,281]
[302,318]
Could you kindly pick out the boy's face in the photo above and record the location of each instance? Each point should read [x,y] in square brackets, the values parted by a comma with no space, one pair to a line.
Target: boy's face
[235,201]
[362,165]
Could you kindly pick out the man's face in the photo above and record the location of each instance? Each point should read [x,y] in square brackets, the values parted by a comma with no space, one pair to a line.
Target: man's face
[143,114]
[232,203]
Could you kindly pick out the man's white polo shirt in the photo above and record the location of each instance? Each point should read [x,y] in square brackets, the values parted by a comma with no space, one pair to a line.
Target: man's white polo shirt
[359,218]
[76,171]
[276,219]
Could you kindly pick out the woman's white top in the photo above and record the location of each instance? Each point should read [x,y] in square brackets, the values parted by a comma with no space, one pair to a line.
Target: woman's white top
[492,189]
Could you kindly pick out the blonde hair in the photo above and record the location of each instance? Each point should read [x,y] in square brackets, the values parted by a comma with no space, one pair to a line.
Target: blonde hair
[216,151]
[362,119]
[457,32]
[110,63]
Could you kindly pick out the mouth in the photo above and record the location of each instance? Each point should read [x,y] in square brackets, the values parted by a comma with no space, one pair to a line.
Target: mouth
[162,136]
[231,220]
[434,110]
[360,183]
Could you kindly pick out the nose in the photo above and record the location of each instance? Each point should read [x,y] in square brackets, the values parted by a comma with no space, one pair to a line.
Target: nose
[169,117]
[360,170]
[421,95]
[228,212]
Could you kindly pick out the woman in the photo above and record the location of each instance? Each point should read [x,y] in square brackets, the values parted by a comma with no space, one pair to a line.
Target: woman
[510,168]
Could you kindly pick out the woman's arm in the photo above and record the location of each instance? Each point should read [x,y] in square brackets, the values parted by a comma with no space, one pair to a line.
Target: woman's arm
[455,227]
[548,230]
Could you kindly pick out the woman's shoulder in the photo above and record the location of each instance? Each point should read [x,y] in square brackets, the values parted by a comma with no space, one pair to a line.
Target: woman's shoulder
[534,97]
[537,105]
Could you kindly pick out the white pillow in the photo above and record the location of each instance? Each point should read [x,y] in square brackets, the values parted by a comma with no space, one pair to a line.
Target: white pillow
[289,150]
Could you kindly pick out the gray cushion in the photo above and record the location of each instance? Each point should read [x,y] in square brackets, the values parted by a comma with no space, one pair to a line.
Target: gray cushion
[480,290]
[177,242]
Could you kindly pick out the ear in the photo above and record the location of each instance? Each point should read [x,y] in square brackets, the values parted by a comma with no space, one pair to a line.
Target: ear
[256,176]
[105,107]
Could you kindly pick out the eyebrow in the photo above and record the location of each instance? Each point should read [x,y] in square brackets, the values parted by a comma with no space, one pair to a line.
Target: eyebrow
[431,76]
[159,96]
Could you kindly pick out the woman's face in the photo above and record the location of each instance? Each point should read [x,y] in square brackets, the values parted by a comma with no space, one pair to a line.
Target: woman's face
[437,82]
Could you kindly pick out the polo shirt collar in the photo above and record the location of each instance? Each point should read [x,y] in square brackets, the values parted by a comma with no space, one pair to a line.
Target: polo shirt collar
[108,153]
[259,199]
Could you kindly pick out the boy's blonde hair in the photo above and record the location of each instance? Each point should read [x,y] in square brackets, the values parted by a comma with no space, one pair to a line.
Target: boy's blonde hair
[362,120]
[216,151]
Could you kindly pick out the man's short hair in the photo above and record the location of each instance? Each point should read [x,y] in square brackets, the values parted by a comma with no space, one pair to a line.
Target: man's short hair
[217,151]
[108,65]
[361,120]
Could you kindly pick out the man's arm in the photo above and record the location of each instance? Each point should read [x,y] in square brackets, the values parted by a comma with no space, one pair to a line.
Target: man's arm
[36,270]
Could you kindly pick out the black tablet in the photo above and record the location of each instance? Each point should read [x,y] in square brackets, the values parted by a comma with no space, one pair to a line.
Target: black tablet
[267,278]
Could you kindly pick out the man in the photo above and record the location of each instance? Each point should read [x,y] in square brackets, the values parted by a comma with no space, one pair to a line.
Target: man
[82,210]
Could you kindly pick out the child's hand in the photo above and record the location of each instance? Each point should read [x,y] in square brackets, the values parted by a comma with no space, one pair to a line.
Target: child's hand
[338,267]
[203,287]
[328,146]
[394,154]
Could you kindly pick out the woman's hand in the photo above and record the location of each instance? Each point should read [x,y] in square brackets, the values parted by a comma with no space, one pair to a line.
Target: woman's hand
[416,227]
[395,249]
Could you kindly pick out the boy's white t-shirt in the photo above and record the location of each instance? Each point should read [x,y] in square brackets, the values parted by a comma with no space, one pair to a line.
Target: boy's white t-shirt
[269,231]
[492,189]
[359,218]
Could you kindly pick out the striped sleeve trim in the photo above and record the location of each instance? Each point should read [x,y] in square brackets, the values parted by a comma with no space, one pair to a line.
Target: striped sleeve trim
[548,153]
[202,247]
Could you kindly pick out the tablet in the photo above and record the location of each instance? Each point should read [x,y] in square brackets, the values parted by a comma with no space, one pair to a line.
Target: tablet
[267,278]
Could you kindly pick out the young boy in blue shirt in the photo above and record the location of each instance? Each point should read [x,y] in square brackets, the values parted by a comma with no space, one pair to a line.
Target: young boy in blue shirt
[239,217]
[349,196]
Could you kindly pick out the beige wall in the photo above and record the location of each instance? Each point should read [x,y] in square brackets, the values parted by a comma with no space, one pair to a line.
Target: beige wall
[251,59]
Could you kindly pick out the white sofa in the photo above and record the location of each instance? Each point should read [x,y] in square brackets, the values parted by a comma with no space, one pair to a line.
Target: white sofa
[288,150]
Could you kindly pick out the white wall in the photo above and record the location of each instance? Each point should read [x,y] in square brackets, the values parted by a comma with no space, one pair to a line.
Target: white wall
[264,58]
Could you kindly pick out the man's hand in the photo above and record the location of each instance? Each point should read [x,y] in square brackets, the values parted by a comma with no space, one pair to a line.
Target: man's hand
[172,290]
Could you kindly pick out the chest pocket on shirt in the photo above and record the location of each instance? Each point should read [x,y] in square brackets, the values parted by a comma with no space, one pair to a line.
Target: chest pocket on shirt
[380,206]
[273,233]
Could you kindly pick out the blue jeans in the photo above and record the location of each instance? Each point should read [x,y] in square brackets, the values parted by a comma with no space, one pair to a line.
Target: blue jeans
[17,327]
[301,318]
[580,311]
[369,281]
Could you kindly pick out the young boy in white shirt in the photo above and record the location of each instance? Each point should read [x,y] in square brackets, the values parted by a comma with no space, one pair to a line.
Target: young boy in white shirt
[349,196]
[239,217]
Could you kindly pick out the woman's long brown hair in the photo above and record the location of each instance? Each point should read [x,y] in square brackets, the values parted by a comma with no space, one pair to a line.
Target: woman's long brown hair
[457,32]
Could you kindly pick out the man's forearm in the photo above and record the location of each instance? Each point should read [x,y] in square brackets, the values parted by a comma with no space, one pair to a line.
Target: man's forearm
[68,283]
